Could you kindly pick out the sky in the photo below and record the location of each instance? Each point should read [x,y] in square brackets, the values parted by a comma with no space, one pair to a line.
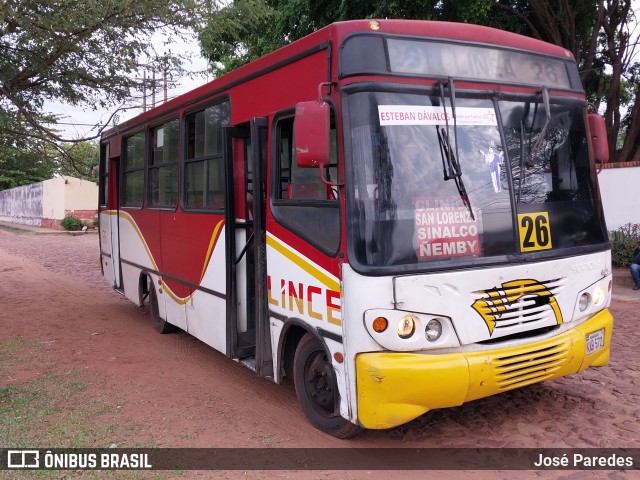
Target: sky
[78,122]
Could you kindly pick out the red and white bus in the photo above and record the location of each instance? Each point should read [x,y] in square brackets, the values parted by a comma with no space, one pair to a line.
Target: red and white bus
[395,216]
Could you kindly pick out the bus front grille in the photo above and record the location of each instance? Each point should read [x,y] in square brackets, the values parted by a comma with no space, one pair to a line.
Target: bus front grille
[524,369]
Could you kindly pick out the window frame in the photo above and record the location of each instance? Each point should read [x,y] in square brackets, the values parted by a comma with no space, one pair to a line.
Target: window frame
[218,158]
[125,170]
[279,204]
[103,175]
[149,167]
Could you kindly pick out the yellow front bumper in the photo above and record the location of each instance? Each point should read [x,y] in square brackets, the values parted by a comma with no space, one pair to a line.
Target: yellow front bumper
[394,388]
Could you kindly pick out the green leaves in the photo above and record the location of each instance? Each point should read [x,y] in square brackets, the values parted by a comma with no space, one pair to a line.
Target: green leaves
[624,241]
[77,52]
[80,52]
[238,33]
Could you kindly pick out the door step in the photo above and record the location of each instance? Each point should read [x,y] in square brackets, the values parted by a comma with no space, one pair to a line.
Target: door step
[250,363]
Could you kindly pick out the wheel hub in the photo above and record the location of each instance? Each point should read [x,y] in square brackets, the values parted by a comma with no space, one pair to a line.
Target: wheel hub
[319,384]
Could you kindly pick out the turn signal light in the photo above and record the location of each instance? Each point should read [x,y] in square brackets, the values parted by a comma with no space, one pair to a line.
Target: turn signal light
[380,324]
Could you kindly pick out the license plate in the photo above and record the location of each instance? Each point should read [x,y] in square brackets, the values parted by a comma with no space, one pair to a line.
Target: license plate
[595,341]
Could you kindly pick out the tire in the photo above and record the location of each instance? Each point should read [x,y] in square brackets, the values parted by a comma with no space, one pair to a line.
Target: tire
[317,390]
[159,324]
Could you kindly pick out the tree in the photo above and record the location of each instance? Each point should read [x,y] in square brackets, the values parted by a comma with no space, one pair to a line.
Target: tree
[22,168]
[27,159]
[78,52]
[238,33]
[80,159]
[618,54]
[600,37]
[289,20]
[245,30]
[631,146]
[19,164]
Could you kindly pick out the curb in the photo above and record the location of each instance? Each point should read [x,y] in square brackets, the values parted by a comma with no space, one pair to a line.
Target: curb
[45,231]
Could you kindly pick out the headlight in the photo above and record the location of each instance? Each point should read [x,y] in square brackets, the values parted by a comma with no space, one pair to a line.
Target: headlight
[593,298]
[433,330]
[598,295]
[584,301]
[406,326]
[405,331]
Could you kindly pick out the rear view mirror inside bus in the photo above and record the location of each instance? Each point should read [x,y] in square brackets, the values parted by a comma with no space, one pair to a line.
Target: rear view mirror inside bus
[311,134]
[598,134]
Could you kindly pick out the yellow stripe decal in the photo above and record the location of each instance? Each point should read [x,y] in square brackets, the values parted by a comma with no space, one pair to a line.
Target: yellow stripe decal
[178,300]
[128,217]
[212,243]
[303,263]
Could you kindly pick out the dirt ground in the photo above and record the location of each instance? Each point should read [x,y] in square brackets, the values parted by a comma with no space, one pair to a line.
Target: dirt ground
[174,391]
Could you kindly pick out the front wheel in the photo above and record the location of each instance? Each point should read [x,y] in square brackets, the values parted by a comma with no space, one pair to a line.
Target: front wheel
[317,389]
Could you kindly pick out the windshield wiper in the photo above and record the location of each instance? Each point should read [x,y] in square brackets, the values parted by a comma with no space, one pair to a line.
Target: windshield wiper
[450,166]
[547,110]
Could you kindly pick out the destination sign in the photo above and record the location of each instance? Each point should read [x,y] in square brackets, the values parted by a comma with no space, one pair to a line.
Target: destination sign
[430,115]
[476,62]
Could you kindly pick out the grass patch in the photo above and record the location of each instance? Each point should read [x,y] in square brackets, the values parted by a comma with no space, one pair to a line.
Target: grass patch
[60,408]
[17,231]
[9,348]
[13,352]
[50,412]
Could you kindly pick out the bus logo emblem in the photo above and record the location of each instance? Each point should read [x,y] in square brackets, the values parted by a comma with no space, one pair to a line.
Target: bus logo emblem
[499,300]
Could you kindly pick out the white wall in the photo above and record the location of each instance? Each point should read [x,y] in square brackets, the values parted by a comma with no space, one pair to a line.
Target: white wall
[22,204]
[46,203]
[620,191]
[67,194]
[80,194]
[53,198]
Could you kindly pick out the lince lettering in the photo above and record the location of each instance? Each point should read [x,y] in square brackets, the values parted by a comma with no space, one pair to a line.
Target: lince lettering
[316,302]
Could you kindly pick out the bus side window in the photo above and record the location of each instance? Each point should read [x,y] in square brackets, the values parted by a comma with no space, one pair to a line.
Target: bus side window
[133,172]
[163,166]
[204,164]
[103,186]
[302,202]
[285,155]
[304,183]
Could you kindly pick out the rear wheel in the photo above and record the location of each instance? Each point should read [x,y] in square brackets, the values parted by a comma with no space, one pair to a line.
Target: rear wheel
[317,390]
[161,325]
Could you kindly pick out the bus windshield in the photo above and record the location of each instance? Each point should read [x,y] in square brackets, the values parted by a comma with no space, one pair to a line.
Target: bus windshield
[504,178]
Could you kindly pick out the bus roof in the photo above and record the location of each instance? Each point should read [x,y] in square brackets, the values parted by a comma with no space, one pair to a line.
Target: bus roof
[335,33]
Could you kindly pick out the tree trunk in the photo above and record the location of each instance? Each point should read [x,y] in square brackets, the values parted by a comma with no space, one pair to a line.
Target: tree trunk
[631,147]
[593,44]
[617,41]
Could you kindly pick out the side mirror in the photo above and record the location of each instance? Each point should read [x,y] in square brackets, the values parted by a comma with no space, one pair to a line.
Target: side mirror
[311,134]
[598,137]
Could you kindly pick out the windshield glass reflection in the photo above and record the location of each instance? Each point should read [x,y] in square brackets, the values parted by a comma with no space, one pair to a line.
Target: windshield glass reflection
[407,208]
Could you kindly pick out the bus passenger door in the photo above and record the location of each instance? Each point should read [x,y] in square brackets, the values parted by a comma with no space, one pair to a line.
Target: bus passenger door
[245,152]
[114,222]
[108,211]
[259,151]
